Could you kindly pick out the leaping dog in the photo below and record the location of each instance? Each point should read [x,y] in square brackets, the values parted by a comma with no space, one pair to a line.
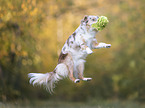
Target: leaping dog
[72,57]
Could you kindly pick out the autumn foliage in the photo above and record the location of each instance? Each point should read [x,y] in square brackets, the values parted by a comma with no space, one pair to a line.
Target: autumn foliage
[32,33]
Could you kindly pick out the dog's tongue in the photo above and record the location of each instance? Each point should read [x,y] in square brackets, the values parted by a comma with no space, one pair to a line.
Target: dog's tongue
[102,21]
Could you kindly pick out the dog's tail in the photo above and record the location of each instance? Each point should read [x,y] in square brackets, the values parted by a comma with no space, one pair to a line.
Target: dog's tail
[48,80]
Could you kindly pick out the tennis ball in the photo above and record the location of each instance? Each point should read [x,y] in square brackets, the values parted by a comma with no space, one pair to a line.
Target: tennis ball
[102,21]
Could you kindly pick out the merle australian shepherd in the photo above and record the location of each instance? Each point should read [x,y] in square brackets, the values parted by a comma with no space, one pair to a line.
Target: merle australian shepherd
[72,57]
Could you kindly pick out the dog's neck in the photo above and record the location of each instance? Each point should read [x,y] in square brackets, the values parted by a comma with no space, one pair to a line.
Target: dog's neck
[87,31]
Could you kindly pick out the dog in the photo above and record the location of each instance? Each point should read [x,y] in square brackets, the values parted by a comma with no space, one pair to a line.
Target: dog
[72,57]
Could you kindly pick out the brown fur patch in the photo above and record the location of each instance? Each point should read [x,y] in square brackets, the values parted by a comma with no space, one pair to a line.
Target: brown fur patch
[94,44]
[54,70]
[62,57]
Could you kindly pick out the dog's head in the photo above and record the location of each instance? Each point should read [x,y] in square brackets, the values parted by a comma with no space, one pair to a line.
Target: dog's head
[89,20]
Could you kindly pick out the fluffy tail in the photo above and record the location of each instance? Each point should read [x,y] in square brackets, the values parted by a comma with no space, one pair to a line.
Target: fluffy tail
[48,80]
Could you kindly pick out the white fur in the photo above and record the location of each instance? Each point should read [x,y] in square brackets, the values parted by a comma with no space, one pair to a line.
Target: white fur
[103,45]
[48,79]
[38,77]
[62,70]
[87,79]
[89,51]
[77,81]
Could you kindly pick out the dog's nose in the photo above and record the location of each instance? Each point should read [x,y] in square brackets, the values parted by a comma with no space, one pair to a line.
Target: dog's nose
[97,17]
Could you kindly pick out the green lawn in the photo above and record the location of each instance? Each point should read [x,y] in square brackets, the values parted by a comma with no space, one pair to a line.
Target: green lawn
[58,104]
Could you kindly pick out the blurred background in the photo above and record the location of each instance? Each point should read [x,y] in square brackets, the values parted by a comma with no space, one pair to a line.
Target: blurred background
[32,33]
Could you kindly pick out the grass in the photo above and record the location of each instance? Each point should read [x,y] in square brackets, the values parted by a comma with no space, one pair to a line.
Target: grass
[59,104]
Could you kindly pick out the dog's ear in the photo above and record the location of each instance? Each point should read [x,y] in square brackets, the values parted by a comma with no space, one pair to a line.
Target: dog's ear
[84,19]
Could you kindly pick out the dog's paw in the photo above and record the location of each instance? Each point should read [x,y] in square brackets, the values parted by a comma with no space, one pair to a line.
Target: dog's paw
[89,51]
[104,45]
[108,45]
[77,81]
[87,79]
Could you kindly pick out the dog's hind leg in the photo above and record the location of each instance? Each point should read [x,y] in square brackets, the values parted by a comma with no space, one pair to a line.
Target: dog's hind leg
[70,65]
[81,70]
[70,68]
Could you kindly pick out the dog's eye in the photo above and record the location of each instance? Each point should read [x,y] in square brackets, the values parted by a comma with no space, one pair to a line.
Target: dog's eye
[94,19]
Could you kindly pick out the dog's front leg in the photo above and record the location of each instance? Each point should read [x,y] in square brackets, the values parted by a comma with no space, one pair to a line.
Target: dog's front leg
[83,45]
[97,45]
[86,49]
[102,45]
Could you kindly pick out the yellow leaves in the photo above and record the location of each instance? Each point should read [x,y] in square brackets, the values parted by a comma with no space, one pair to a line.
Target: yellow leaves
[6,17]
[37,59]
[53,8]
[24,53]
[116,79]
[3,53]
[29,8]
[34,12]
[13,47]
[27,62]
[19,47]
[21,53]
[47,43]
[33,2]
[24,62]
[116,9]
[24,8]
[10,6]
